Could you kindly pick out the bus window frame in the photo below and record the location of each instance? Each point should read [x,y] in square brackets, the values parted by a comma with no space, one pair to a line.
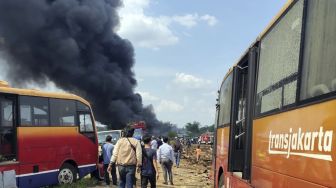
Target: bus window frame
[79,104]
[31,113]
[78,121]
[217,113]
[91,135]
[298,103]
[18,112]
[14,98]
[231,72]
[311,100]
[75,112]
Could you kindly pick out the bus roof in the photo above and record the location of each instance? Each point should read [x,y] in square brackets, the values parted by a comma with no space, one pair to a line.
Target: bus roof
[5,88]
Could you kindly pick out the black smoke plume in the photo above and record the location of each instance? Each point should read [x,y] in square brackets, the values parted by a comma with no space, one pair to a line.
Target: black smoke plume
[74,44]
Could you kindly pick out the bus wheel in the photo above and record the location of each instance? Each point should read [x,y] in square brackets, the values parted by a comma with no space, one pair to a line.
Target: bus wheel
[67,174]
[221,181]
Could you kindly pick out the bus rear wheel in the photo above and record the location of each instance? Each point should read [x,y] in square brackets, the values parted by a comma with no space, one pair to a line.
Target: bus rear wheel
[67,174]
[221,181]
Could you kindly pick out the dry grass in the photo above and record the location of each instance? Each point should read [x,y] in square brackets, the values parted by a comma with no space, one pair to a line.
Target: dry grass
[83,183]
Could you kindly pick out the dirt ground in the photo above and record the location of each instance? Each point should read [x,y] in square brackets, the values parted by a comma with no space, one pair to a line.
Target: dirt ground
[190,173]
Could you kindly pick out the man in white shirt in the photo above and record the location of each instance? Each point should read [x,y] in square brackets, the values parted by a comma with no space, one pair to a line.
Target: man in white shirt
[165,155]
[154,143]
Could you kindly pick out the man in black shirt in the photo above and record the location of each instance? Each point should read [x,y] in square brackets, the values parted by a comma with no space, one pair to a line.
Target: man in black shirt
[149,169]
[177,146]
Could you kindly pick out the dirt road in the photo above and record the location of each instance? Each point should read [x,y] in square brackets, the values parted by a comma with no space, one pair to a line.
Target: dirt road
[190,174]
[187,175]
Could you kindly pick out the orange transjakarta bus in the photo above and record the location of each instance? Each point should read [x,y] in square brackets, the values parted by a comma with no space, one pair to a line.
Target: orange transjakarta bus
[45,138]
[276,110]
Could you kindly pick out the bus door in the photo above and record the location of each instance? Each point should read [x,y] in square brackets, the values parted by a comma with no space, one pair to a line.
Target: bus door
[238,123]
[8,143]
[86,126]
[88,143]
[242,114]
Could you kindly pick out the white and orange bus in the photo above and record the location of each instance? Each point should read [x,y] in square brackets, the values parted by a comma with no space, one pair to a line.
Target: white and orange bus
[45,138]
[276,110]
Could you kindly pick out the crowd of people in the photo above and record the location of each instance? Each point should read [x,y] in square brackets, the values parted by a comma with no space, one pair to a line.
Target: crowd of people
[130,156]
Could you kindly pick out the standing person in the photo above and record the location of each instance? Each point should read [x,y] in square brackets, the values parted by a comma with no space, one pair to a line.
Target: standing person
[177,146]
[154,144]
[127,155]
[149,169]
[198,153]
[165,156]
[107,151]
[188,146]
[159,141]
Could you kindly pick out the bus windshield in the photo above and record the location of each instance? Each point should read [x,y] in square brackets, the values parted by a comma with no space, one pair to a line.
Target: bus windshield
[114,134]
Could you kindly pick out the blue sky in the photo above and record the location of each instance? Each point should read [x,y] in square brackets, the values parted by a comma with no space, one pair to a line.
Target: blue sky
[184,48]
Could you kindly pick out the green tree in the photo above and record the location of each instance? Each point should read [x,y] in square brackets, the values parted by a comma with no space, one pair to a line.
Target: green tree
[203,129]
[171,134]
[211,128]
[193,128]
[207,129]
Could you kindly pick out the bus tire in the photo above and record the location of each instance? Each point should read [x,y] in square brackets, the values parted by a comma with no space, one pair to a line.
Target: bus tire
[221,183]
[67,174]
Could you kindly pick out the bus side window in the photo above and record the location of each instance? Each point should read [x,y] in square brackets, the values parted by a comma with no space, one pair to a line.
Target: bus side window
[34,111]
[225,97]
[85,123]
[25,112]
[279,63]
[7,148]
[319,65]
[7,113]
[62,112]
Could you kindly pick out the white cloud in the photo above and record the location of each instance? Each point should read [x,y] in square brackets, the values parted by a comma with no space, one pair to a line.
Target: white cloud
[151,72]
[161,105]
[190,81]
[189,20]
[211,20]
[146,32]
[148,97]
[169,106]
[154,32]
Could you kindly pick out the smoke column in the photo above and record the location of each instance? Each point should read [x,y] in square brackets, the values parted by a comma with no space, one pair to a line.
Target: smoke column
[74,44]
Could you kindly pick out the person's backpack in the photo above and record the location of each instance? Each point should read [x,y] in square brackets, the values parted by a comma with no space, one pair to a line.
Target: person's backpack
[147,168]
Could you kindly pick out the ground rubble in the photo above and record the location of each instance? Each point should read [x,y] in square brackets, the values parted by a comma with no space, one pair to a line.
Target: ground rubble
[191,173]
